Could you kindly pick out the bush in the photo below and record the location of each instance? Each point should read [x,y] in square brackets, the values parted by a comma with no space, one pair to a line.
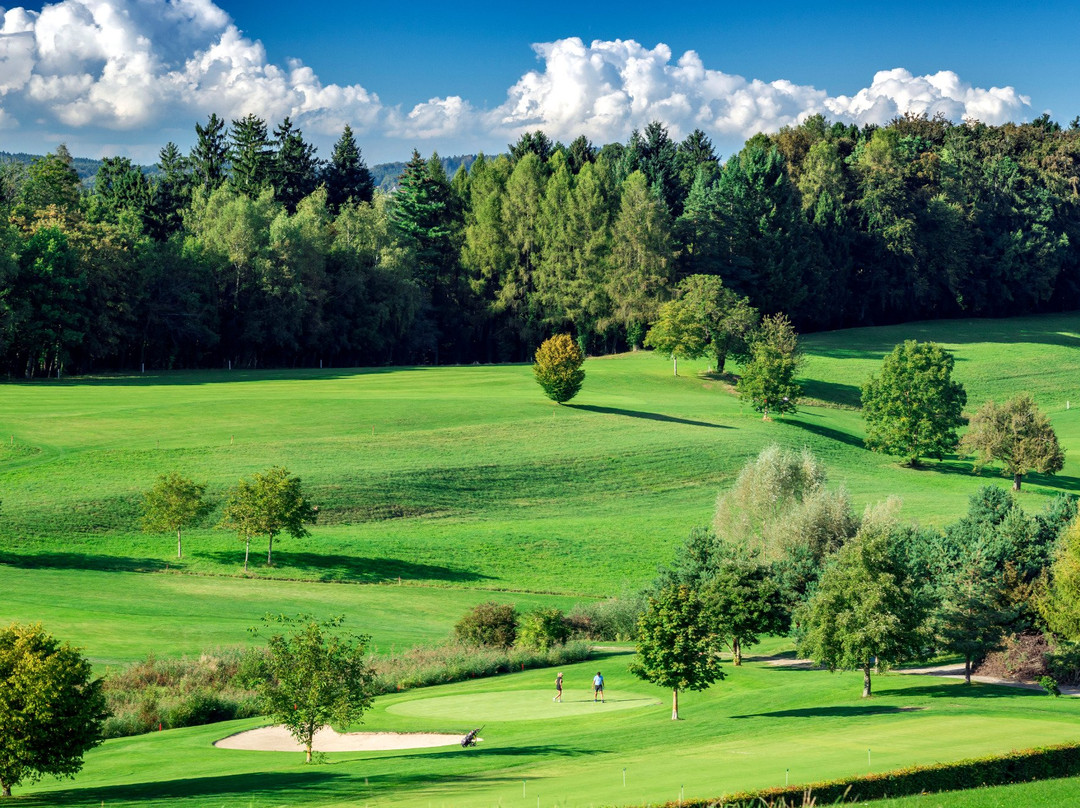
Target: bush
[1063,663]
[543,629]
[558,368]
[1050,685]
[611,620]
[488,624]
[1013,767]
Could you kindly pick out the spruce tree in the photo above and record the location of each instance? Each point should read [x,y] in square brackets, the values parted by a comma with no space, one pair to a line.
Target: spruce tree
[346,176]
[294,170]
[250,157]
[210,155]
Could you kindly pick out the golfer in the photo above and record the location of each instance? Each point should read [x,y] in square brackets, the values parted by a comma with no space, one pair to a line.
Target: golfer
[558,687]
[598,687]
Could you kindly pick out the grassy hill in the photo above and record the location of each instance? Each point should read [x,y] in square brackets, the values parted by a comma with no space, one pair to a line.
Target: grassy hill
[442,487]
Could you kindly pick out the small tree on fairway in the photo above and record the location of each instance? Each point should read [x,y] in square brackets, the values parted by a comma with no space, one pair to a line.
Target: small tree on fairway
[558,368]
[270,503]
[312,676]
[676,646]
[678,333]
[174,503]
[868,611]
[51,710]
[1016,433]
[768,380]
[914,407]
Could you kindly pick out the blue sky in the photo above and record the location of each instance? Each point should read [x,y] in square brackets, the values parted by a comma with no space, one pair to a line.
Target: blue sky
[125,76]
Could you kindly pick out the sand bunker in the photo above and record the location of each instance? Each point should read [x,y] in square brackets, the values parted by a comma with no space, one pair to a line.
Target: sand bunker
[278,739]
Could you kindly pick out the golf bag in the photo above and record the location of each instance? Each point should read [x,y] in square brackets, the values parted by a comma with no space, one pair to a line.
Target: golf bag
[470,737]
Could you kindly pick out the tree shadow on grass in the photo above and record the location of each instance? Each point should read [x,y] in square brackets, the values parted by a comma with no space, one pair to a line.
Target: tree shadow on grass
[845,395]
[853,711]
[352,569]
[826,431]
[959,690]
[482,750]
[81,561]
[277,788]
[650,416]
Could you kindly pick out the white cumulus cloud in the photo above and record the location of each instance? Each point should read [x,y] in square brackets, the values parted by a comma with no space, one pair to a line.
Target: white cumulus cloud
[94,72]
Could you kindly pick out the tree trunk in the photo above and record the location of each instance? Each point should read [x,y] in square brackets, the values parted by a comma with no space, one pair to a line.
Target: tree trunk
[179,546]
[967,670]
[308,750]
[6,788]
[1016,481]
[675,365]
[270,552]
[866,680]
[674,705]
[736,652]
[247,551]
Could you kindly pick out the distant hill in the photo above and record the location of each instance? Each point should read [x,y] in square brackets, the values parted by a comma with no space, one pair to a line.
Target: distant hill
[384,174]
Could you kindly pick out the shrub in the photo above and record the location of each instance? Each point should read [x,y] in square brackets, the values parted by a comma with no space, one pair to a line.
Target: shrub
[543,628]
[558,368]
[1050,685]
[611,620]
[1063,663]
[492,624]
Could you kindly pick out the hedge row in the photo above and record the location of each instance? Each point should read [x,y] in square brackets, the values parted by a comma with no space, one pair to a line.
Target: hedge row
[1018,766]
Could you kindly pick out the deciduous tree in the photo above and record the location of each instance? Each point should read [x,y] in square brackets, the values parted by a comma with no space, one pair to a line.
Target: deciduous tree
[677,647]
[558,368]
[175,502]
[313,675]
[51,707]
[270,503]
[768,380]
[913,408]
[1018,435]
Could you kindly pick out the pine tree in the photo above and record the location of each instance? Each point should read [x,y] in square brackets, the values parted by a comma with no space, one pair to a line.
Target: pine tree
[294,170]
[210,155]
[346,176]
[250,156]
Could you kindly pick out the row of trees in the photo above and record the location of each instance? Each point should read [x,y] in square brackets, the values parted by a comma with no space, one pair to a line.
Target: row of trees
[786,552]
[252,251]
[270,503]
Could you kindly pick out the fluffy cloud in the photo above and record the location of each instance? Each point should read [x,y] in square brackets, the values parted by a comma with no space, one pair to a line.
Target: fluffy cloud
[131,64]
[144,69]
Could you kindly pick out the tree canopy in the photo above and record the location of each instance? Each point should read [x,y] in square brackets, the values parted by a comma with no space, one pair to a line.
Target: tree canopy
[1018,435]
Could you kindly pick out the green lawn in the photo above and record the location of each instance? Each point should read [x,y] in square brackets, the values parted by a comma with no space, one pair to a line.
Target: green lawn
[758,726]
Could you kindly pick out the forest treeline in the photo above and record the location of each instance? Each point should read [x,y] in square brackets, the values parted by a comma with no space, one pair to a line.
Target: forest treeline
[252,251]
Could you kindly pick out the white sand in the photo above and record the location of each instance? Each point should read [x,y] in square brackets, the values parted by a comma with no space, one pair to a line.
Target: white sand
[278,739]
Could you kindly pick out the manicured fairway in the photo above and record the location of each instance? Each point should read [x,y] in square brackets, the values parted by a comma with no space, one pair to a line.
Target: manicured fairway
[120,617]
[748,731]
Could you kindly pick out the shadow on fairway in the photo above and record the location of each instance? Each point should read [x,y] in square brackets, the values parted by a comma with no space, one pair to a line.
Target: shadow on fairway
[835,712]
[825,431]
[354,569]
[278,788]
[846,395]
[958,690]
[481,749]
[649,416]
[81,561]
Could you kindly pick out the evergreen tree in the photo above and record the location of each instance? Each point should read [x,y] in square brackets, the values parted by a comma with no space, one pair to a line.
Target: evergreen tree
[532,143]
[295,169]
[580,152]
[346,176]
[250,156]
[210,155]
[171,192]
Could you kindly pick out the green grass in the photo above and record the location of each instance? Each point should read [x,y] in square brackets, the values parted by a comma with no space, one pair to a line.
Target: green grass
[745,732]
[1041,794]
[464,484]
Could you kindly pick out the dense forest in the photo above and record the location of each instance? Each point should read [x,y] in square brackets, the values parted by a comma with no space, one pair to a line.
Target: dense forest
[252,251]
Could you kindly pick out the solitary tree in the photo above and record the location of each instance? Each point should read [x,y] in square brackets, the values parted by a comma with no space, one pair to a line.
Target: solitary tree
[313,675]
[677,647]
[768,380]
[913,408]
[677,332]
[174,503]
[270,503]
[728,319]
[1018,435]
[558,368]
[51,710]
[868,611]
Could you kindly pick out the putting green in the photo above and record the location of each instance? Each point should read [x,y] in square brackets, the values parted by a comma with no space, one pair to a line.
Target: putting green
[518,705]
